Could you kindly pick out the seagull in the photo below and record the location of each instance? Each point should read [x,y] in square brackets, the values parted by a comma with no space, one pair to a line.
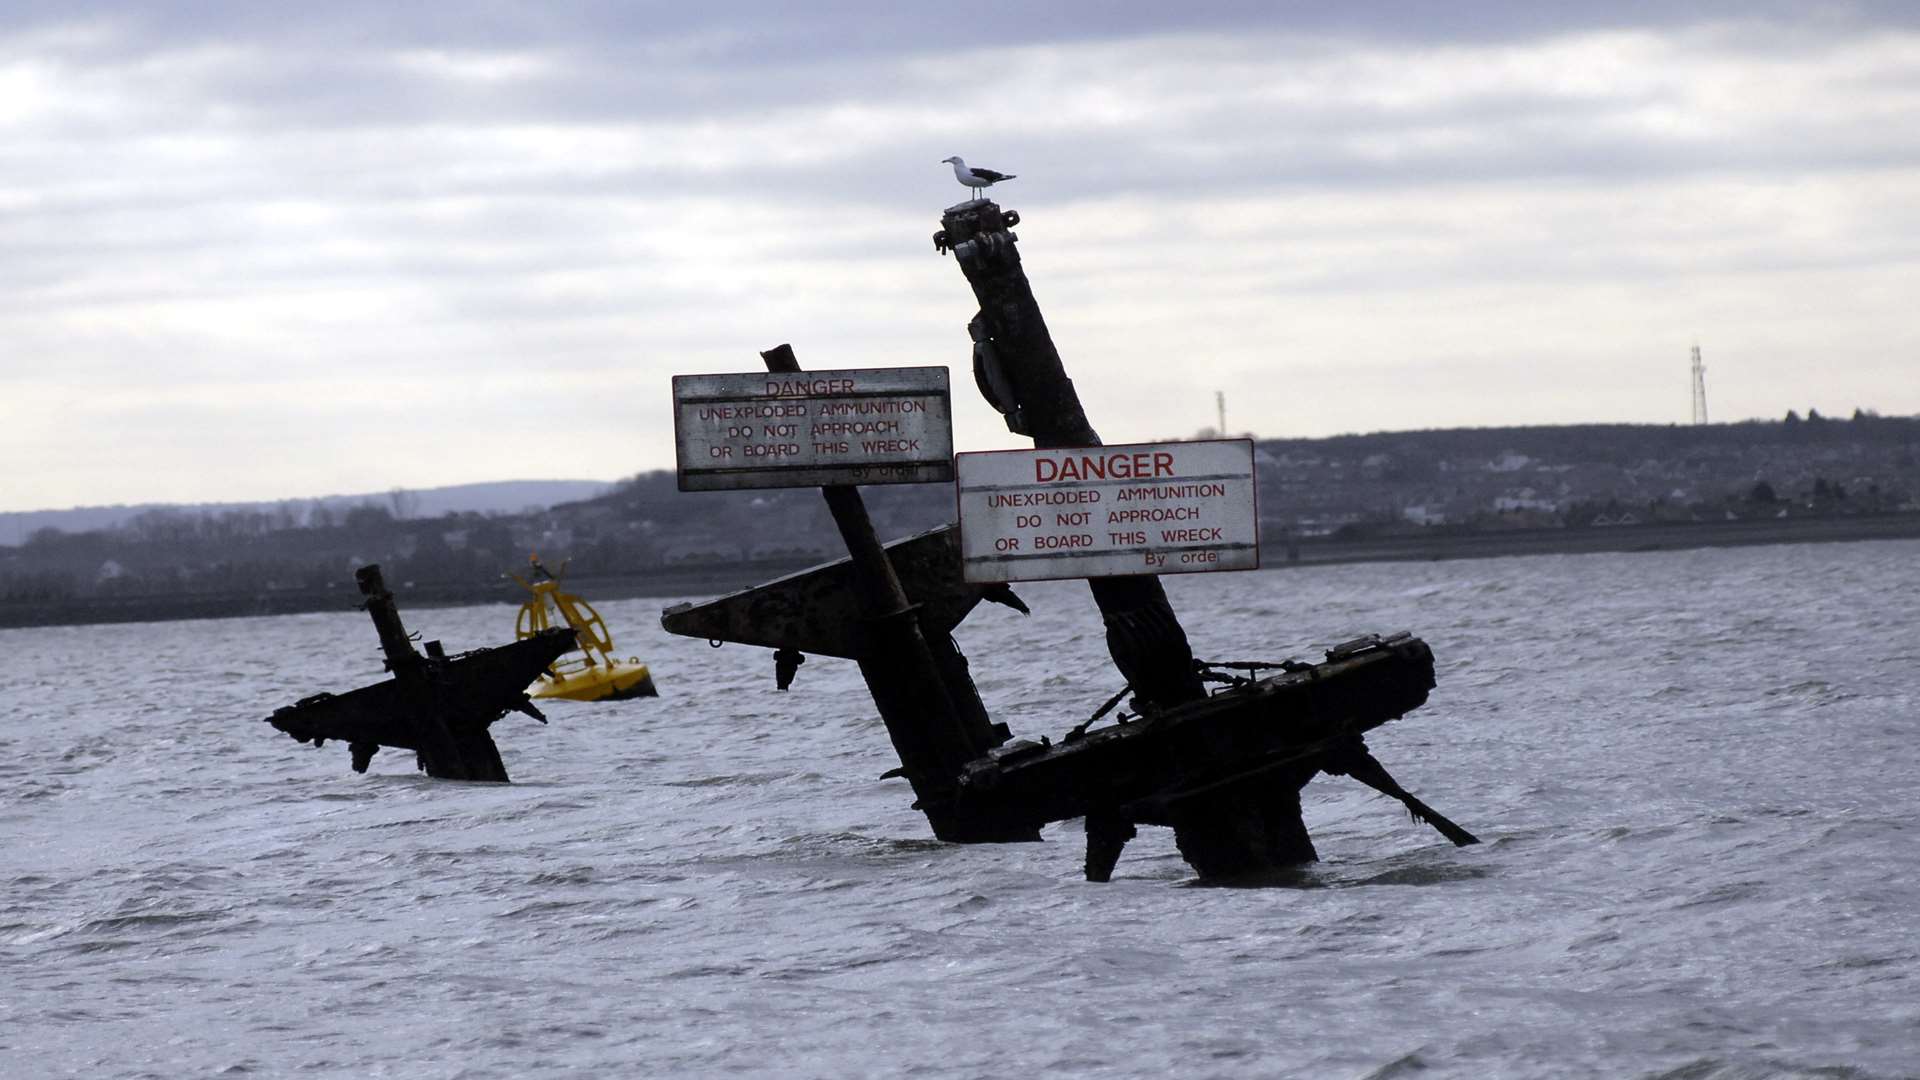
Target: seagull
[977,179]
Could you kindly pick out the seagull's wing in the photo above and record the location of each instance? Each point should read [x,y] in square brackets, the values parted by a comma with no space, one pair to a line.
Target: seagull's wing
[989,175]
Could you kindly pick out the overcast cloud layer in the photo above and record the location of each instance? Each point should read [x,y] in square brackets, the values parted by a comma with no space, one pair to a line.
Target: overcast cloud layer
[254,253]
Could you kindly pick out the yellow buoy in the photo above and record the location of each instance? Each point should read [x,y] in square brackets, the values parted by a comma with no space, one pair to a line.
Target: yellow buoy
[592,673]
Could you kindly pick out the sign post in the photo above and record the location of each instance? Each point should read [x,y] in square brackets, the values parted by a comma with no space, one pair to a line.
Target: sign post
[1107,511]
[833,430]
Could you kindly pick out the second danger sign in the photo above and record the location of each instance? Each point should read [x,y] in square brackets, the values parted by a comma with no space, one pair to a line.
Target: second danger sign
[808,428]
[1147,508]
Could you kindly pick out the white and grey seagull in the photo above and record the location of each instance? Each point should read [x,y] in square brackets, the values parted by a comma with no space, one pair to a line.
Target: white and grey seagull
[977,179]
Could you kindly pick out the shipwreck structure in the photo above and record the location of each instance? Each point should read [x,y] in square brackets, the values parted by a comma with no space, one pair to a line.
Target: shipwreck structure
[441,707]
[1222,768]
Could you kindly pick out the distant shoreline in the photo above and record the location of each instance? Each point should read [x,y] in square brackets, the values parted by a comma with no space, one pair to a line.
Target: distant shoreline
[1657,536]
[716,579]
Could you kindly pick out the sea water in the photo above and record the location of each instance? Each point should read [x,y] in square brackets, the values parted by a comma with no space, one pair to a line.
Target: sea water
[1695,774]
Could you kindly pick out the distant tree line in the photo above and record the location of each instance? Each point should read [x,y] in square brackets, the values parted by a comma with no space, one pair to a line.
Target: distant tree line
[1363,483]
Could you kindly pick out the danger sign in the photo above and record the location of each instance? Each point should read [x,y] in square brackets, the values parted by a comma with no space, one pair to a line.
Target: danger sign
[1101,511]
[805,429]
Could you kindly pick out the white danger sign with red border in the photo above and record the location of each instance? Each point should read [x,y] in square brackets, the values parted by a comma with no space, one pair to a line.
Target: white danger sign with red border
[1104,511]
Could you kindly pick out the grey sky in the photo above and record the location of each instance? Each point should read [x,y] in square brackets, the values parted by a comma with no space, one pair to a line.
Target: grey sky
[254,252]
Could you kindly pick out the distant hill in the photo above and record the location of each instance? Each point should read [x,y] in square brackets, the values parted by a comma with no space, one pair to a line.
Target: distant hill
[1406,494]
[494,497]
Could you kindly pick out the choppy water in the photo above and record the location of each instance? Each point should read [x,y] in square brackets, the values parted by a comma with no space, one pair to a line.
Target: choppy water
[1696,773]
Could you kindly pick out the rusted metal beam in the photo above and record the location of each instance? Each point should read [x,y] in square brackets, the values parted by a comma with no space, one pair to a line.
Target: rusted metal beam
[821,609]
[1243,829]
[935,728]
[1014,355]
[436,705]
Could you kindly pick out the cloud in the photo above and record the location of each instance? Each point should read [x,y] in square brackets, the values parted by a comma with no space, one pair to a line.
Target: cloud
[349,247]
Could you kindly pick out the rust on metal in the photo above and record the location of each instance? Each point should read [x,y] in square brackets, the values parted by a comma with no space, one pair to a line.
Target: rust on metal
[1223,768]
[436,705]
